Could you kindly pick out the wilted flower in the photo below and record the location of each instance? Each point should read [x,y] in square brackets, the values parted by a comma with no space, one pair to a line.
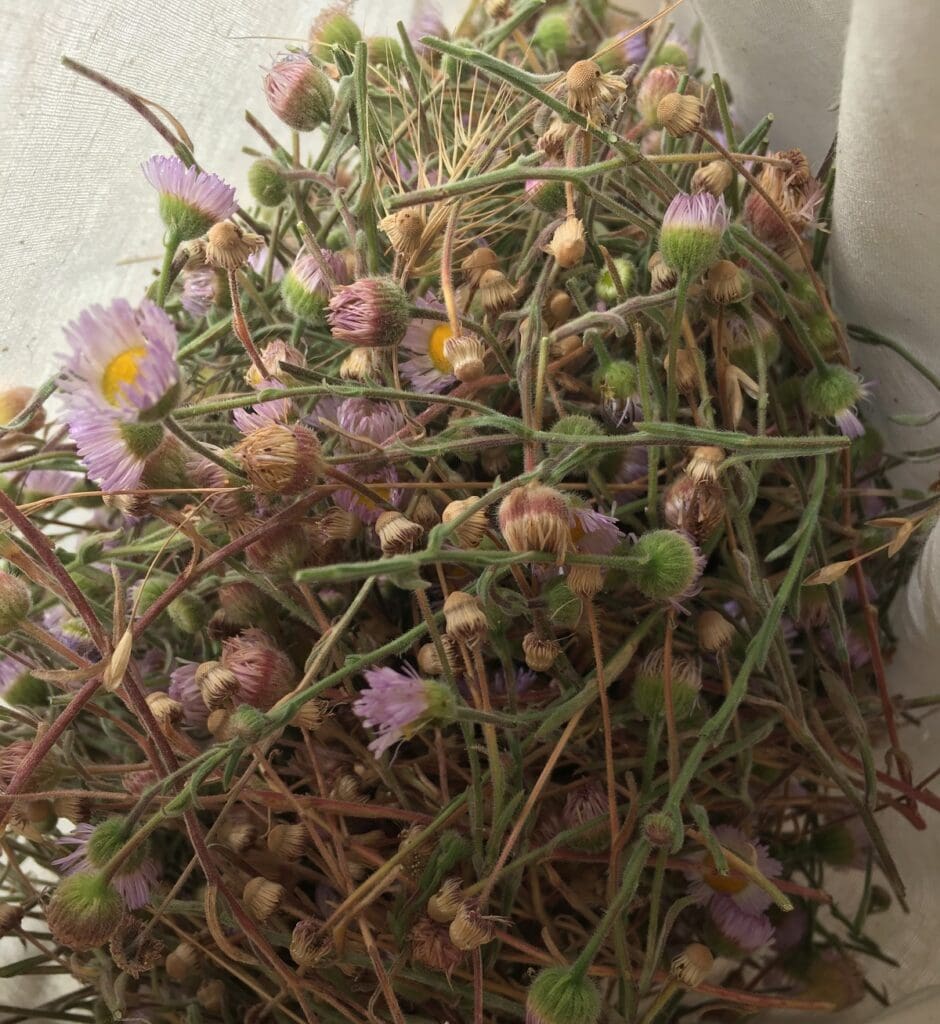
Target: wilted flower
[397,704]
[93,848]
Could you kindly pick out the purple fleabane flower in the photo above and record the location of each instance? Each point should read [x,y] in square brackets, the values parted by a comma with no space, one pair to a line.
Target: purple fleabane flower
[380,481]
[690,237]
[258,260]
[114,451]
[305,289]
[372,312]
[747,931]
[18,685]
[426,368]
[122,359]
[425,20]
[298,92]
[593,533]
[263,414]
[364,418]
[53,481]
[199,292]
[183,688]
[396,704]
[133,880]
[706,884]
[191,201]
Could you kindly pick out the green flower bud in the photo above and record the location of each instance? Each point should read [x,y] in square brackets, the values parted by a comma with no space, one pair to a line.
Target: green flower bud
[384,51]
[649,687]
[142,439]
[248,723]
[667,565]
[606,286]
[690,237]
[671,52]
[571,428]
[334,27]
[559,995]
[552,35]
[266,182]
[15,602]
[189,613]
[663,831]
[563,607]
[84,911]
[833,392]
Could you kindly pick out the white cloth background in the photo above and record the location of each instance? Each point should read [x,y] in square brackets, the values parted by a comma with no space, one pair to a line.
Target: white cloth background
[74,207]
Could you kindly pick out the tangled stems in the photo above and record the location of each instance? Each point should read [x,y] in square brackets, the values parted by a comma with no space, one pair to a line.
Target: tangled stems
[672,370]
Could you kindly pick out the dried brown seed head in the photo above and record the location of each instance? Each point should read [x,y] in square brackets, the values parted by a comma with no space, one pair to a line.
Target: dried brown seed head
[540,652]
[446,902]
[465,618]
[262,897]
[568,243]
[397,534]
[470,532]
[714,631]
[713,177]
[228,246]
[680,114]
[466,355]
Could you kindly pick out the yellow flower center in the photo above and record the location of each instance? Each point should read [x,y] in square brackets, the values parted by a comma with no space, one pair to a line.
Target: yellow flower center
[722,883]
[439,337]
[122,369]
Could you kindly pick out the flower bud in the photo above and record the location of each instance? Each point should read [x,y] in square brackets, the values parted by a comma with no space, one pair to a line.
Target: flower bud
[405,229]
[397,535]
[466,354]
[694,508]
[714,177]
[228,246]
[833,393]
[477,262]
[496,293]
[470,929]
[188,613]
[725,283]
[574,426]
[560,308]
[690,237]
[563,606]
[181,962]
[693,965]
[680,114]
[287,840]
[545,194]
[552,34]
[10,918]
[334,27]
[298,92]
[535,518]
[662,831]
[662,277]
[618,384]
[568,243]
[15,602]
[559,995]
[308,946]
[667,565]
[429,661]
[606,287]
[471,531]
[446,902]
[304,288]
[588,802]
[12,403]
[384,51]
[262,897]
[373,311]
[465,617]
[281,459]
[264,672]
[540,652]
[267,183]
[248,723]
[84,911]
[659,82]
[649,687]
[714,631]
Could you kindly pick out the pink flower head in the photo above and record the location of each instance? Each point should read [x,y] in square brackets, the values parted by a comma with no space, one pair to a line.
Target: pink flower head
[396,704]
[707,885]
[426,20]
[365,418]
[258,260]
[305,289]
[133,881]
[191,201]
[298,92]
[264,672]
[114,452]
[183,688]
[121,359]
[748,931]
[199,291]
[263,414]
[427,369]
[701,211]
[593,533]
[371,312]
[380,481]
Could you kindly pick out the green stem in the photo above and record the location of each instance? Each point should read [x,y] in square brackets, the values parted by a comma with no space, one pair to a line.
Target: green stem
[672,390]
[172,244]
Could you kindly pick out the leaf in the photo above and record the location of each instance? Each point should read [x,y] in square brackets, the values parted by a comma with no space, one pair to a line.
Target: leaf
[900,538]
[830,573]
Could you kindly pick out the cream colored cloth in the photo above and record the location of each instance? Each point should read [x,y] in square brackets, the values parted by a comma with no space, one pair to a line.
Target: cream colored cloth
[74,207]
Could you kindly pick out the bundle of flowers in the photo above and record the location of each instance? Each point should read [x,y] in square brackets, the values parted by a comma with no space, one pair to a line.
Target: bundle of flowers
[453,591]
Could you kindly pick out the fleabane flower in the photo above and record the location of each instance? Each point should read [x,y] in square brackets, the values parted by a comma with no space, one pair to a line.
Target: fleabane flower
[123,359]
[707,885]
[426,368]
[381,481]
[373,311]
[305,289]
[184,689]
[398,704]
[191,201]
[593,533]
[18,685]
[264,414]
[298,92]
[692,228]
[94,845]
[833,392]
[200,291]
[365,420]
